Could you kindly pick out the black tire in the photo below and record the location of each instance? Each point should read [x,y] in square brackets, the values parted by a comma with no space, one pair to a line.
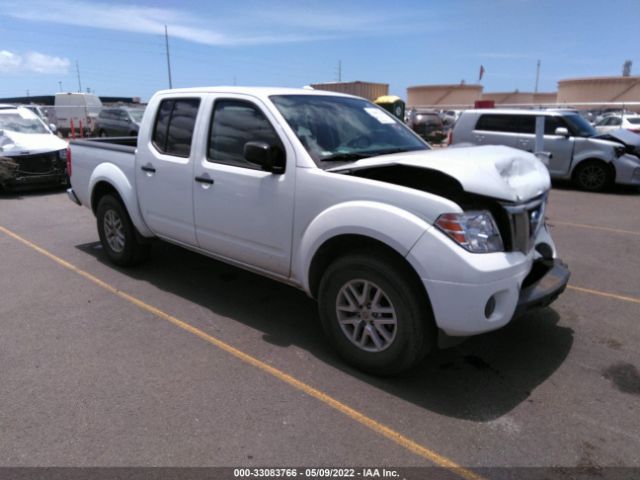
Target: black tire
[102,134]
[593,176]
[415,331]
[113,221]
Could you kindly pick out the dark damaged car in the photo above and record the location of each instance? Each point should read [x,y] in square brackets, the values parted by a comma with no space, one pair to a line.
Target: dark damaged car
[31,155]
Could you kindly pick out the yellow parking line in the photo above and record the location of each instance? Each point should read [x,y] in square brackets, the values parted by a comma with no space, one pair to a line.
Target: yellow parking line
[593,227]
[605,294]
[359,417]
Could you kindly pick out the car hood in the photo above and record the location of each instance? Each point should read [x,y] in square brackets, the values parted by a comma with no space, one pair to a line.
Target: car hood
[494,171]
[622,135]
[14,143]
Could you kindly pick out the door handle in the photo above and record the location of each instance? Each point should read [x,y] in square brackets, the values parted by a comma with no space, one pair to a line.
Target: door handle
[148,168]
[206,180]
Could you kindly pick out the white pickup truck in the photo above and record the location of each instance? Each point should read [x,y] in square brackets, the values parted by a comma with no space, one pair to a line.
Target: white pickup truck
[400,244]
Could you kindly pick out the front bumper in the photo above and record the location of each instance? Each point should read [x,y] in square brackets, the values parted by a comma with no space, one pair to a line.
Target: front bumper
[547,280]
[475,293]
[627,170]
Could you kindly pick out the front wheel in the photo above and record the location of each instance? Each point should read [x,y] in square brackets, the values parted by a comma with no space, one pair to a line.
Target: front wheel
[593,176]
[375,315]
[118,235]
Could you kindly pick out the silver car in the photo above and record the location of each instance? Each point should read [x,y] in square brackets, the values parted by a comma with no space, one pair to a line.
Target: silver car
[575,152]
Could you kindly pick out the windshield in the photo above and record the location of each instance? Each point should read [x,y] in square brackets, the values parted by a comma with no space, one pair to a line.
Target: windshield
[21,123]
[634,120]
[579,126]
[136,115]
[339,129]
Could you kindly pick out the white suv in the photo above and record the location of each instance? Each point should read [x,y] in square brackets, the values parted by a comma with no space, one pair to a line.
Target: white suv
[575,151]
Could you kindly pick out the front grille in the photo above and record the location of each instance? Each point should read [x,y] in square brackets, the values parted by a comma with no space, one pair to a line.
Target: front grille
[523,221]
[44,163]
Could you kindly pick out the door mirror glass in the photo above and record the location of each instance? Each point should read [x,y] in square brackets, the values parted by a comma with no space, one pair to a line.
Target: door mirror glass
[563,131]
[269,157]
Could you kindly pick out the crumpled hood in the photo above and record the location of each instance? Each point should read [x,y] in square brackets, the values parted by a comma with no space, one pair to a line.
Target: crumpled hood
[14,143]
[622,135]
[494,171]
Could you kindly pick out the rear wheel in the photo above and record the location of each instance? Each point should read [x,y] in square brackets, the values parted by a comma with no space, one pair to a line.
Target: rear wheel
[593,176]
[374,314]
[118,236]
[102,133]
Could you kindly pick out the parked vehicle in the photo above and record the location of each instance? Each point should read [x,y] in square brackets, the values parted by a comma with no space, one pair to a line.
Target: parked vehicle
[30,154]
[427,124]
[79,109]
[576,152]
[40,111]
[119,121]
[335,196]
[615,122]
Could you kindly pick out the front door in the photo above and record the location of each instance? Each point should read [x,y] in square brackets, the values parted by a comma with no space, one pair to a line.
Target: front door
[242,212]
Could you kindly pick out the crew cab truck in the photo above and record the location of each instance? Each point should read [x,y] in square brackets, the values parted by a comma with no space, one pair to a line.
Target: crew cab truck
[399,244]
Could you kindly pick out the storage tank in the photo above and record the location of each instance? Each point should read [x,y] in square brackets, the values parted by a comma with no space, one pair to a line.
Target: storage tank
[368,90]
[444,95]
[599,89]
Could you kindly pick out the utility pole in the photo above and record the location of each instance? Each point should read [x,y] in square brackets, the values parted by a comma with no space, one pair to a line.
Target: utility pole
[166,41]
[339,70]
[537,77]
[27,93]
[60,85]
[78,72]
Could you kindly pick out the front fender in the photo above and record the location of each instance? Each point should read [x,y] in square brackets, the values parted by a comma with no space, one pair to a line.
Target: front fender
[111,174]
[393,226]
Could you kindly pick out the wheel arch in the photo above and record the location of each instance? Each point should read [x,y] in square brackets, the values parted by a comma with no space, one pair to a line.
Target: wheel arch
[342,245]
[591,159]
[106,179]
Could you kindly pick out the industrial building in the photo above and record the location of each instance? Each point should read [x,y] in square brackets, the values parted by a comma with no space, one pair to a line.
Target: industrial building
[368,90]
[446,95]
[521,98]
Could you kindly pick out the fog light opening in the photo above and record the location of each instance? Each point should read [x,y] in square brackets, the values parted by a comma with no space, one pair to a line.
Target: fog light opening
[490,307]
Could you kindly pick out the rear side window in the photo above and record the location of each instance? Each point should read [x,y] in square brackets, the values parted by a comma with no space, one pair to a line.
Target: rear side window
[528,124]
[498,123]
[234,123]
[173,130]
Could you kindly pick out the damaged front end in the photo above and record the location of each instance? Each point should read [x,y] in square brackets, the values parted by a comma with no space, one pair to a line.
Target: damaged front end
[32,170]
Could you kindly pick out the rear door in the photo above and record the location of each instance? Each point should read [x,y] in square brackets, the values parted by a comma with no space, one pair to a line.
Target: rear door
[496,129]
[242,212]
[164,169]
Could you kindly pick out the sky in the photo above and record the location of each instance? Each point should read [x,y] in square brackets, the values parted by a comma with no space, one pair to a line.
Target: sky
[118,47]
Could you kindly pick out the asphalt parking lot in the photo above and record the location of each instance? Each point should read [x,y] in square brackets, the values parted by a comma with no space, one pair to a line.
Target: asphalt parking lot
[185,361]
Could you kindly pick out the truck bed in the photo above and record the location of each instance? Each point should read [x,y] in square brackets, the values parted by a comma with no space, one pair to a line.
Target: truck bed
[119,144]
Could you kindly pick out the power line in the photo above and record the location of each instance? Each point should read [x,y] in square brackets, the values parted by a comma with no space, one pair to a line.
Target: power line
[166,39]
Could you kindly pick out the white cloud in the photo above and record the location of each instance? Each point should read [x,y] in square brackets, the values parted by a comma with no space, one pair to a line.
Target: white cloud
[32,62]
[274,25]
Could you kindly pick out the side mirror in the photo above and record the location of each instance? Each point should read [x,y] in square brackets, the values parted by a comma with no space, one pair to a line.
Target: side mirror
[53,128]
[270,158]
[563,131]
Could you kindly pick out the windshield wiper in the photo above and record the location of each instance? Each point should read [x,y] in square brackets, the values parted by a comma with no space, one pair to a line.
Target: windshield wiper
[389,151]
[351,156]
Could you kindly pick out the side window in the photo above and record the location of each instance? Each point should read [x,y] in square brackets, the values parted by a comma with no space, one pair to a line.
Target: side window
[528,124]
[615,121]
[173,130]
[234,123]
[498,123]
[552,123]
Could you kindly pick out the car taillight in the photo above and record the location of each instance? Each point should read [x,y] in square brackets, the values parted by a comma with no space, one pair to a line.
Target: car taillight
[69,161]
[450,137]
